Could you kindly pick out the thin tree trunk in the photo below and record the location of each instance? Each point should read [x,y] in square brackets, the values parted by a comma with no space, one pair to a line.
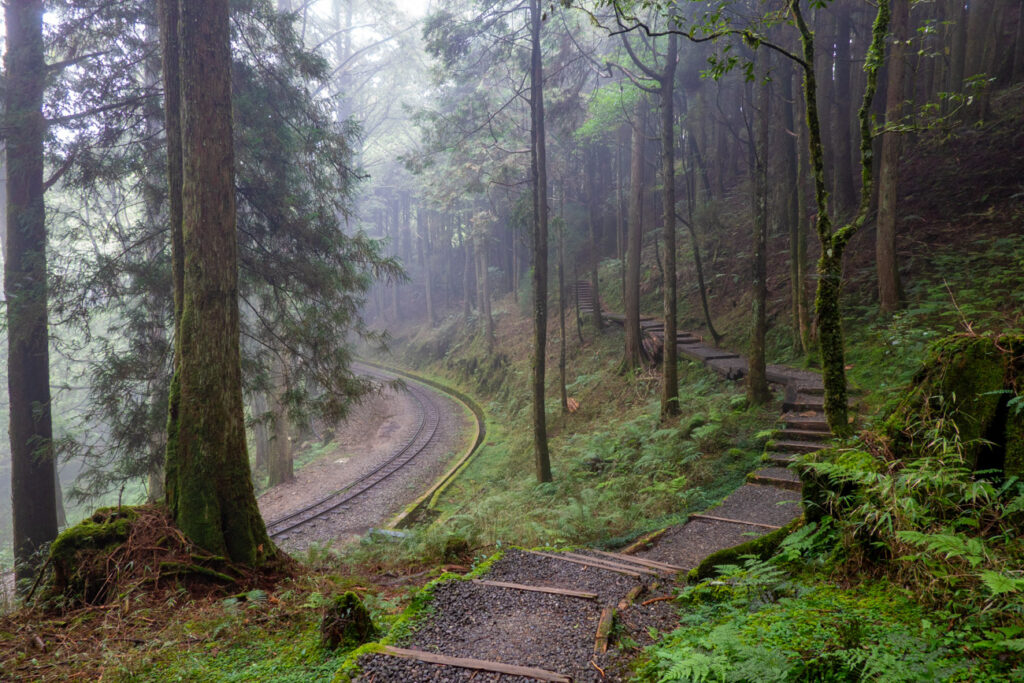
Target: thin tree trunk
[33,494]
[209,489]
[592,204]
[561,306]
[803,308]
[757,381]
[845,200]
[540,248]
[833,244]
[670,371]
[631,357]
[885,242]
[280,468]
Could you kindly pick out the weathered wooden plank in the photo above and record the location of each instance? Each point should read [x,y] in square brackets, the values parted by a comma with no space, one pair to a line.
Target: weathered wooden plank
[643,542]
[631,596]
[538,589]
[604,630]
[616,565]
[478,664]
[653,564]
[735,521]
[587,563]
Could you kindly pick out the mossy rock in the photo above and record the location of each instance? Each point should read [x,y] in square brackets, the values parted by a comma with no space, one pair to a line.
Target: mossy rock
[762,547]
[77,553]
[968,391]
[346,623]
[817,487]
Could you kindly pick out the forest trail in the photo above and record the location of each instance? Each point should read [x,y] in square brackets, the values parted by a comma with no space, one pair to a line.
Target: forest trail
[549,616]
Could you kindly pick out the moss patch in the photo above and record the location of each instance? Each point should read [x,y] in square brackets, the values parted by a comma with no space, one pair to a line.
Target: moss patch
[761,547]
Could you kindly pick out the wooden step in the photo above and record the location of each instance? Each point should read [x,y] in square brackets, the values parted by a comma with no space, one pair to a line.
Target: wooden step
[789,434]
[477,664]
[802,404]
[537,589]
[813,421]
[779,477]
[632,559]
[798,446]
[782,459]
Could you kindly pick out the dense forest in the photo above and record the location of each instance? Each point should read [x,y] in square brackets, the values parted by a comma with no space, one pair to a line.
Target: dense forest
[214,212]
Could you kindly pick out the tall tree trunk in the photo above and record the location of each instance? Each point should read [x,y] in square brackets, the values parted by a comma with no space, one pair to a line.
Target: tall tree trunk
[845,200]
[427,259]
[280,464]
[757,381]
[592,203]
[670,370]
[631,357]
[467,277]
[33,492]
[885,241]
[209,489]
[799,239]
[563,397]
[788,154]
[540,248]
[485,293]
[260,433]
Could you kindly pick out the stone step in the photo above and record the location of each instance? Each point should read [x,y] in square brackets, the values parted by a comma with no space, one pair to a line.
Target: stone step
[798,446]
[779,477]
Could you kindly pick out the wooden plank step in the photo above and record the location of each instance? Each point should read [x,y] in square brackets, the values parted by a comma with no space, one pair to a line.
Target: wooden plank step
[614,565]
[810,419]
[712,518]
[789,434]
[706,353]
[537,589]
[477,664]
[653,564]
[799,446]
[779,477]
[586,563]
[802,405]
[781,459]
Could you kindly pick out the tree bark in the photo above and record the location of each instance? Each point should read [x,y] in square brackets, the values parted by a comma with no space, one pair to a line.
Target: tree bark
[670,370]
[885,240]
[757,381]
[631,301]
[563,397]
[209,489]
[540,248]
[280,464]
[845,199]
[33,492]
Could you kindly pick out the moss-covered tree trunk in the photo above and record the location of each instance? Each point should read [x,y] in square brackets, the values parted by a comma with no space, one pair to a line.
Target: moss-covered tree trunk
[833,242]
[540,248]
[209,490]
[33,493]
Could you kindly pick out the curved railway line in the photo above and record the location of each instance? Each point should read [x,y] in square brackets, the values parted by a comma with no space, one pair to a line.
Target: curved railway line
[427,419]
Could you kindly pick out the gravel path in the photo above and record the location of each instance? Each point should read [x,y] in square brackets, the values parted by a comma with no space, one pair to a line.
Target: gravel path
[371,433]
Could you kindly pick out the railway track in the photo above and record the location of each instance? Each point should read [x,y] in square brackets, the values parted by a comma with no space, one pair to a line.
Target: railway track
[321,511]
